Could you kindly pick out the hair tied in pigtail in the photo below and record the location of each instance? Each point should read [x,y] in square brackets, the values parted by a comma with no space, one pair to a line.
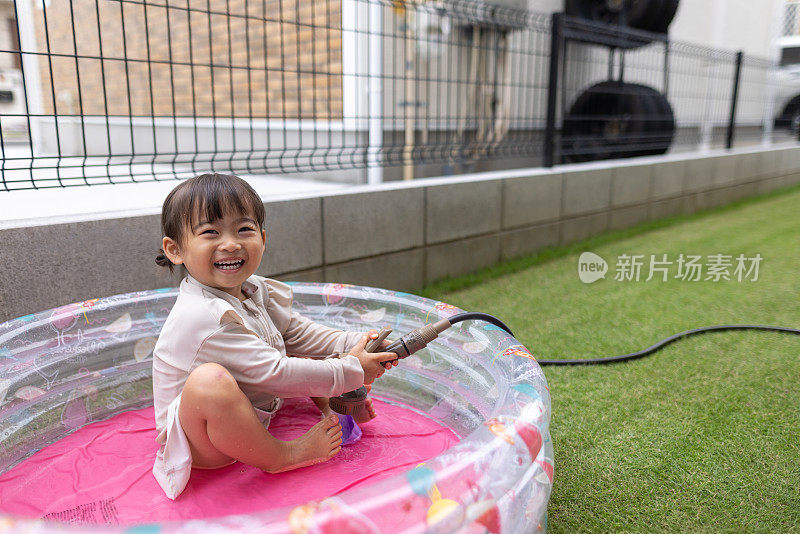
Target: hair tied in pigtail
[162,260]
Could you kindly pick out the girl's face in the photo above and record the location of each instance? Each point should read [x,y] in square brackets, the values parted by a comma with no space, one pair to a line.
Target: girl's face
[222,253]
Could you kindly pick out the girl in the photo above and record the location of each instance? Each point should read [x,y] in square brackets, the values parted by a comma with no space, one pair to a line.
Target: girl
[220,365]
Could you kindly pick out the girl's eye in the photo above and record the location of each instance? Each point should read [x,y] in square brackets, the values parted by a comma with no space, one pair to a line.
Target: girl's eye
[246,228]
[209,231]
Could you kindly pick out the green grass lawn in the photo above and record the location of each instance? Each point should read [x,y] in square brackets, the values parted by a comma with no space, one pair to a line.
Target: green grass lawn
[701,436]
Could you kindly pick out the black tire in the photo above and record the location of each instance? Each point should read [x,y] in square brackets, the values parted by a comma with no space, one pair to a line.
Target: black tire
[643,144]
[787,115]
[615,12]
[617,120]
[794,123]
[607,11]
[639,12]
[660,128]
[661,15]
[602,123]
[638,135]
[648,15]
[665,125]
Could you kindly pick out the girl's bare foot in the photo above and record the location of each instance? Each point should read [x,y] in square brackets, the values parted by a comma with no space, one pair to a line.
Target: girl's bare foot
[367,413]
[321,443]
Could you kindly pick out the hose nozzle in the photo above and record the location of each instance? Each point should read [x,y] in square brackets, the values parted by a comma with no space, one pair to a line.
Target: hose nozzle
[352,403]
[417,339]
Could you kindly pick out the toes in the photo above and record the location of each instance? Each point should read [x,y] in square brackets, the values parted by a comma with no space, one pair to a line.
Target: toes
[318,426]
[327,421]
[331,422]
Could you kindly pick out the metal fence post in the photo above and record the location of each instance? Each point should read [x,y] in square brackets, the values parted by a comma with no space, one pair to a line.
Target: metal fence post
[556,40]
[734,98]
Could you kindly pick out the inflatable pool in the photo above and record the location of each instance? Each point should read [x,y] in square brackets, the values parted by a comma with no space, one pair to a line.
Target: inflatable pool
[83,371]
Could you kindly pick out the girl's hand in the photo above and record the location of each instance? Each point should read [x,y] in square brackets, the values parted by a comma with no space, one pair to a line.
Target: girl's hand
[372,362]
[385,343]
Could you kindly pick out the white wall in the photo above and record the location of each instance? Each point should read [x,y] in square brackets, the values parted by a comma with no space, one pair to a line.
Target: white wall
[745,25]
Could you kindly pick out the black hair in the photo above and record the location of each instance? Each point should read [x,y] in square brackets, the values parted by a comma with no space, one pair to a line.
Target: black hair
[206,197]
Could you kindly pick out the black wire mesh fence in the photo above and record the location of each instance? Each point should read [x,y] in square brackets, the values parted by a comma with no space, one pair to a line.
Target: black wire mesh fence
[107,91]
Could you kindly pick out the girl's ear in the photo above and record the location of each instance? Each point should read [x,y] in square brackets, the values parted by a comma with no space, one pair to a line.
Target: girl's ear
[172,250]
[263,237]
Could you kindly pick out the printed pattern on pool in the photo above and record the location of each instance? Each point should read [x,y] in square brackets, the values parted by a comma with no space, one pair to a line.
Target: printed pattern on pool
[85,362]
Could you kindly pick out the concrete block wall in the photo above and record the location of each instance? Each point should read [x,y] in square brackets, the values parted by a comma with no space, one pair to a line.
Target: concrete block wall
[397,235]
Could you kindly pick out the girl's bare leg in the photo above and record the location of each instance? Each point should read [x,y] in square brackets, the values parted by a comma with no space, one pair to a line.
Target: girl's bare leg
[221,426]
[324,406]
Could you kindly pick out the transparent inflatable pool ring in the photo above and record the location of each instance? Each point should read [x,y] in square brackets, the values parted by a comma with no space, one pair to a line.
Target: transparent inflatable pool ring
[86,362]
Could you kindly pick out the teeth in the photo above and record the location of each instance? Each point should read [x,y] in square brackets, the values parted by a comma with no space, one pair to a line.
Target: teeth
[229,265]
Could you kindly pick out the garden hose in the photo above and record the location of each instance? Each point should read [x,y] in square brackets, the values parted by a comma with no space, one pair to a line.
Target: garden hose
[610,359]
[623,357]
[419,338]
[667,341]
[352,402]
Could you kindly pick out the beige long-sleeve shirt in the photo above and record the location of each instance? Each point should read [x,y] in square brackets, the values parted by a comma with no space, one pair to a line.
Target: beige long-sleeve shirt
[250,339]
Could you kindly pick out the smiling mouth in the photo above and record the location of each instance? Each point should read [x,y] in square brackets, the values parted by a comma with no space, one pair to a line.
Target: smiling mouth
[229,265]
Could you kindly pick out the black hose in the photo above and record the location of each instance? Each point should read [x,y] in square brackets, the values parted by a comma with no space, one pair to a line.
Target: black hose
[667,341]
[482,317]
[623,357]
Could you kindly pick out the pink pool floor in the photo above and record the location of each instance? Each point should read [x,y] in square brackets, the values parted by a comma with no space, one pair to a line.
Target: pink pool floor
[102,473]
